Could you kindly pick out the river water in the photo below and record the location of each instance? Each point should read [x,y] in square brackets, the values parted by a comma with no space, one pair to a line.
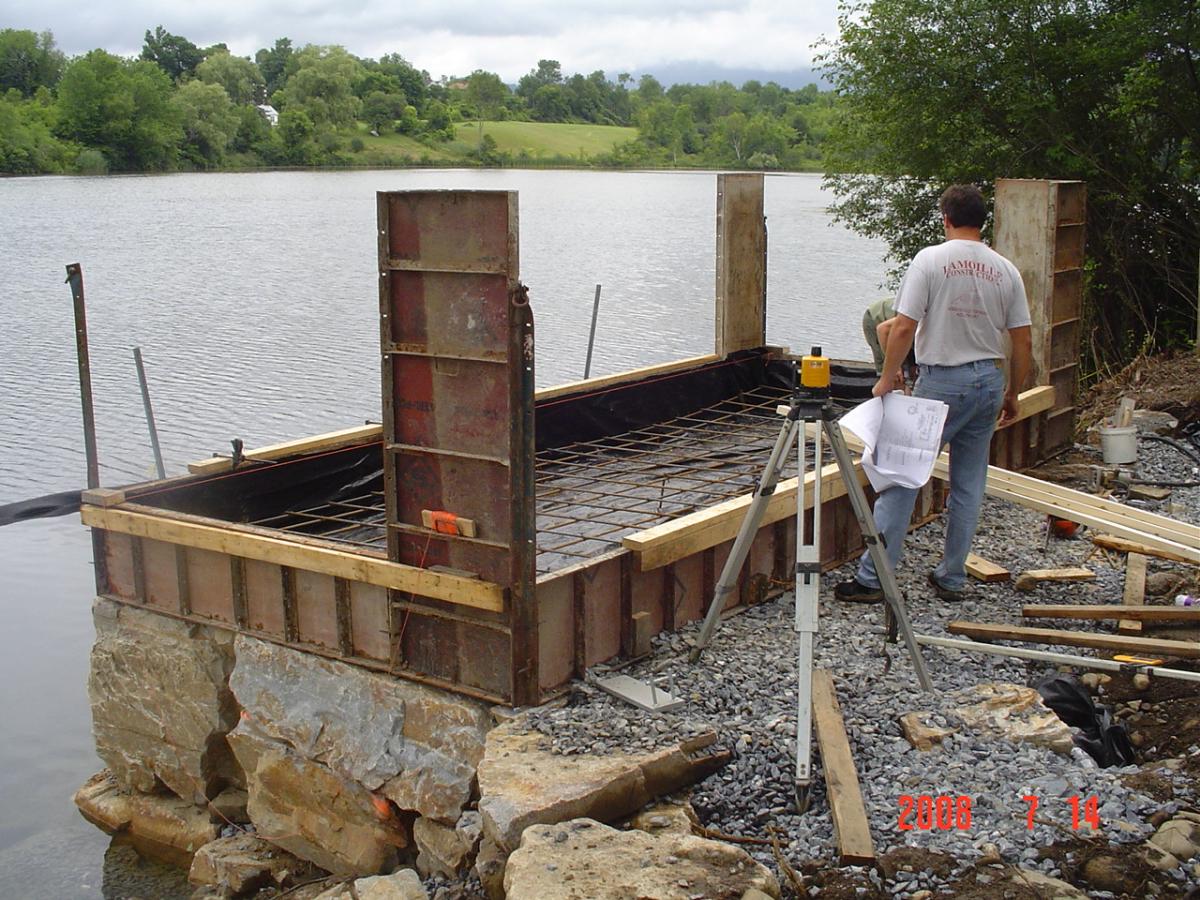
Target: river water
[253,297]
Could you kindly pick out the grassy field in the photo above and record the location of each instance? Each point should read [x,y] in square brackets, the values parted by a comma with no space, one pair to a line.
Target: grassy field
[548,139]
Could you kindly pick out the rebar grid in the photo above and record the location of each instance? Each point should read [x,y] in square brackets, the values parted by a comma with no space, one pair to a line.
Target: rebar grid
[592,493]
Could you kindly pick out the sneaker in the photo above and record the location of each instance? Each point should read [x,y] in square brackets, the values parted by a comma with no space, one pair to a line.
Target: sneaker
[944,593]
[854,591]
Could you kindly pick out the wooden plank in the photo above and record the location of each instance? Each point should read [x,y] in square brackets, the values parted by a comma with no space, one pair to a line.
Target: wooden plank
[1030,579]
[338,563]
[985,570]
[741,263]
[1101,611]
[851,827]
[1135,592]
[633,375]
[102,497]
[1125,643]
[1124,545]
[330,440]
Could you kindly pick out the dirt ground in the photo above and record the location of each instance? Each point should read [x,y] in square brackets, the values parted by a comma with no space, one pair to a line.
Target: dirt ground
[1169,383]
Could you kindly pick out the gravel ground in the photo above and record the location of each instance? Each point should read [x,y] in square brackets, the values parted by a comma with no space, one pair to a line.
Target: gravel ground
[744,688]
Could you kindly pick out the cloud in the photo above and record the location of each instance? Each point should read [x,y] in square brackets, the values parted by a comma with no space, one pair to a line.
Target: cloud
[454,37]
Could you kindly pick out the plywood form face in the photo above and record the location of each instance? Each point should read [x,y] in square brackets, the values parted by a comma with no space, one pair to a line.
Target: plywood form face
[210,585]
[602,602]
[690,602]
[119,553]
[1023,233]
[646,594]
[316,610]
[556,631]
[741,263]
[369,621]
[425,229]
[264,598]
[162,575]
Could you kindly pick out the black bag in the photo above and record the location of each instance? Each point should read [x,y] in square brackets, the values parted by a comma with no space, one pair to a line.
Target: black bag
[1105,741]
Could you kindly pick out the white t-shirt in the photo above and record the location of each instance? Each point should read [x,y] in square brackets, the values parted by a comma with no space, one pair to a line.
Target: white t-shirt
[964,296]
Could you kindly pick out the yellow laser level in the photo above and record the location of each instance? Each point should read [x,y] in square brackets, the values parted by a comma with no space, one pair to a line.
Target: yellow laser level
[814,371]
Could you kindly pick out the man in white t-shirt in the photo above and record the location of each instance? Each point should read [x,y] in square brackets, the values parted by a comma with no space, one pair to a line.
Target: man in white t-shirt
[959,299]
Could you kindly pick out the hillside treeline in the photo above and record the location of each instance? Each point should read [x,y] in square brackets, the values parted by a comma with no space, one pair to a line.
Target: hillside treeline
[179,106]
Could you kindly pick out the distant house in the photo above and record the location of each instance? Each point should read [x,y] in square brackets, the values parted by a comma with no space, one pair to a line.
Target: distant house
[270,113]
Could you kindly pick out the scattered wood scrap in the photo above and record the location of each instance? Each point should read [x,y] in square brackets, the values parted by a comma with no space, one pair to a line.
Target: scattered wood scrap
[1140,646]
[1124,545]
[1135,592]
[1112,611]
[985,570]
[846,807]
[1027,581]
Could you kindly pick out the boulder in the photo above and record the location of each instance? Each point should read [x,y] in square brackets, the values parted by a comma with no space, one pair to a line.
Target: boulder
[489,867]
[161,704]
[666,817]
[402,885]
[921,734]
[418,746]
[584,858]
[1014,713]
[442,849]
[160,825]
[315,813]
[1046,887]
[1180,837]
[1158,858]
[244,863]
[521,783]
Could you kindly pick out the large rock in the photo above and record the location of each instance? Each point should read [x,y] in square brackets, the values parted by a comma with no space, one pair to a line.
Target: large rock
[403,885]
[583,858]
[161,704]
[1180,836]
[243,863]
[1043,885]
[666,817]
[159,825]
[418,746]
[522,784]
[442,849]
[1014,713]
[315,813]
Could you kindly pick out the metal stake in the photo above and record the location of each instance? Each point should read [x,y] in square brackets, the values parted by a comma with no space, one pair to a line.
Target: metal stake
[141,372]
[75,279]
[587,366]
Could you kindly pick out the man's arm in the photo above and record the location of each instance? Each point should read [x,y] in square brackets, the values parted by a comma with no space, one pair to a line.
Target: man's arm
[899,341]
[1018,370]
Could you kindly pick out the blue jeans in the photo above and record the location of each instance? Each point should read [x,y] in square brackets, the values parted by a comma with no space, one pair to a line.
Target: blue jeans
[974,392]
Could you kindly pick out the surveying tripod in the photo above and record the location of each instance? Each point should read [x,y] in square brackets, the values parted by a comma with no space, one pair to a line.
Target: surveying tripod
[810,404]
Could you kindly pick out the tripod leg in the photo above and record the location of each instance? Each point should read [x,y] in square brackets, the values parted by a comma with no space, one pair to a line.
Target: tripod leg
[808,590]
[883,567]
[745,537]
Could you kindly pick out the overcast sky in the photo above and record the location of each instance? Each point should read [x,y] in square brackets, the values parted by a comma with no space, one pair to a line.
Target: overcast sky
[454,37]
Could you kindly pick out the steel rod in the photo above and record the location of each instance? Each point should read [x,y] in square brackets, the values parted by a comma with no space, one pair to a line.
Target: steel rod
[141,373]
[75,279]
[587,366]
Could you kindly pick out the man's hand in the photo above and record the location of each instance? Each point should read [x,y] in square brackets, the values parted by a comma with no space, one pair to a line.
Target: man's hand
[1009,409]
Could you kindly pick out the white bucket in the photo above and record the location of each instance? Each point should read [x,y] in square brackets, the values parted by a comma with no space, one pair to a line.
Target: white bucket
[1118,444]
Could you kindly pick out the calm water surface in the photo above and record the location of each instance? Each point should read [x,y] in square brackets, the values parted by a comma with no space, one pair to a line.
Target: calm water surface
[254,299]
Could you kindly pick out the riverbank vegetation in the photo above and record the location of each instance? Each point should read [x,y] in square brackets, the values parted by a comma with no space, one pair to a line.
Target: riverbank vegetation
[1106,92]
[179,106]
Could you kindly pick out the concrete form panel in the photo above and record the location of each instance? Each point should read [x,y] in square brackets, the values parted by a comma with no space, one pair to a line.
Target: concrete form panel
[210,585]
[162,575]
[264,599]
[690,603]
[602,601]
[741,263]
[556,631]
[122,581]
[369,617]
[647,596]
[316,609]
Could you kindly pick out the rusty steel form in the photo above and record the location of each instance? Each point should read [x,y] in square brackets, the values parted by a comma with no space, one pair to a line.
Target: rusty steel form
[590,494]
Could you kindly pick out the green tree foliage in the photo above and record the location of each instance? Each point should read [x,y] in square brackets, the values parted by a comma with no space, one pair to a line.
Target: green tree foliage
[173,53]
[486,93]
[381,110]
[121,108]
[240,77]
[1100,90]
[547,74]
[323,87]
[276,65]
[414,84]
[209,122]
[28,61]
[27,145]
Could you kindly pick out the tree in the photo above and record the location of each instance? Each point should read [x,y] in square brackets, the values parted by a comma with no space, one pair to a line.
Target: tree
[122,108]
[28,61]
[548,73]
[1104,91]
[275,65]
[209,122]
[174,54]
[414,84]
[486,92]
[381,110]
[549,104]
[323,86]
[240,77]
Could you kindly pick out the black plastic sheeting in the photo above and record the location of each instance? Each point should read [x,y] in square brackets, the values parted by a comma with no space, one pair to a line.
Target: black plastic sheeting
[260,490]
[1104,740]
